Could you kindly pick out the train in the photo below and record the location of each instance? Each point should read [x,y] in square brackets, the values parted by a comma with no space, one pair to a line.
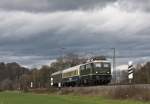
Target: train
[93,72]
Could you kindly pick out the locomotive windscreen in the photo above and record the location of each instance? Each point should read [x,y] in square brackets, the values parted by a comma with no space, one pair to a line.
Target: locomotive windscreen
[102,65]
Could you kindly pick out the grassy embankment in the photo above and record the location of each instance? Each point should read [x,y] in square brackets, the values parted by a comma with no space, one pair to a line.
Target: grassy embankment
[28,98]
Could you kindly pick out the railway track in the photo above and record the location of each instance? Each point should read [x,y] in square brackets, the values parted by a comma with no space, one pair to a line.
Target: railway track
[107,87]
[105,90]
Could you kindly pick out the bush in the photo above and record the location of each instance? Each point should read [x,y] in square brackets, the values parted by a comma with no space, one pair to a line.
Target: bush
[131,92]
[85,91]
[1,90]
[44,90]
[137,92]
[6,84]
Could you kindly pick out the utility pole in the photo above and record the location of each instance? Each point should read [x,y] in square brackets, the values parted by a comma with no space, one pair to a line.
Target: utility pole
[114,64]
[63,53]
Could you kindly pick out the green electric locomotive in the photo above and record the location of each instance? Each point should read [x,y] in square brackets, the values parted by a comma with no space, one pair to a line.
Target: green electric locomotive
[95,72]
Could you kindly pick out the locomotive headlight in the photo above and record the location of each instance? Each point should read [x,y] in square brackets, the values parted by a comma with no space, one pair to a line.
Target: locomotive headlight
[108,72]
[96,72]
[52,84]
[51,79]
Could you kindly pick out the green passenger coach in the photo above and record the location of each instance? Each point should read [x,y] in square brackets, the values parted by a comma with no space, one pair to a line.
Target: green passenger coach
[96,72]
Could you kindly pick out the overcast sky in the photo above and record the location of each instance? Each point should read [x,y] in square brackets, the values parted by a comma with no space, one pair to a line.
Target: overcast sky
[33,32]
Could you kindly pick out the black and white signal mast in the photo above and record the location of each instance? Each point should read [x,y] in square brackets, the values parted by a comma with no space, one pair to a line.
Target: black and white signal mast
[130,71]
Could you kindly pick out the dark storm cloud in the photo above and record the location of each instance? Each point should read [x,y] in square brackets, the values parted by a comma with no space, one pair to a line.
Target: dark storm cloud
[63,5]
[51,5]
[32,38]
[134,5]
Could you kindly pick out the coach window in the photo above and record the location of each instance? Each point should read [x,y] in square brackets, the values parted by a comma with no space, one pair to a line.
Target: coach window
[82,67]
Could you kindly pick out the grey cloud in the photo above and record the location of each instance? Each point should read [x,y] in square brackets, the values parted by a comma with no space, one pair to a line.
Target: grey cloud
[65,5]
[42,35]
[26,61]
[51,5]
[134,5]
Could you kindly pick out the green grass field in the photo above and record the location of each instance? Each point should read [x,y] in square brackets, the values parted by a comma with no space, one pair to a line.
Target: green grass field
[28,98]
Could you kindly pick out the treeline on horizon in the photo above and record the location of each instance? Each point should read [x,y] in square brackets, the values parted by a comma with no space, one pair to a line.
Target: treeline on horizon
[15,77]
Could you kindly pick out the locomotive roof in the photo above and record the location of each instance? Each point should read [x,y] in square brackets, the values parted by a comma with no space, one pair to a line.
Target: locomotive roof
[71,69]
[98,61]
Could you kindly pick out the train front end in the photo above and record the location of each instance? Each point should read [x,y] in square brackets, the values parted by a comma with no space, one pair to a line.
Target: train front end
[101,72]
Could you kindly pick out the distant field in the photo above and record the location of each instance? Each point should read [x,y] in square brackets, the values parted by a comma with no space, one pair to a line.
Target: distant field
[28,98]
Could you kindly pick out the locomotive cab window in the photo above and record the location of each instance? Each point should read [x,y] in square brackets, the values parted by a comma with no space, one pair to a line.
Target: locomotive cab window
[98,65]
[106,65]
[88,66]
